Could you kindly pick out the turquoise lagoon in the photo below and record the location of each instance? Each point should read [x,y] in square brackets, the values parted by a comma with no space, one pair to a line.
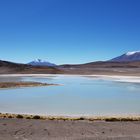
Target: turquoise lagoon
[76,96]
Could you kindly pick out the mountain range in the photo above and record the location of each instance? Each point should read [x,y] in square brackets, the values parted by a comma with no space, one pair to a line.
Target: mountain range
[7,67]
[126,64]
[127,57]
[40,62]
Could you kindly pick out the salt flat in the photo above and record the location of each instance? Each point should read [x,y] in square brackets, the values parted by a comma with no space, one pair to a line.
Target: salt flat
[131,79]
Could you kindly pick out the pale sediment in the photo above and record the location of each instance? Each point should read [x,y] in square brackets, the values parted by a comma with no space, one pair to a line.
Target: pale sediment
[113,77]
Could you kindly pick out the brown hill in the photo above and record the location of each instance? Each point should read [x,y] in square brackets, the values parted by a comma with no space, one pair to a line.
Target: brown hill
[105,64]
[14,68]
[109,68]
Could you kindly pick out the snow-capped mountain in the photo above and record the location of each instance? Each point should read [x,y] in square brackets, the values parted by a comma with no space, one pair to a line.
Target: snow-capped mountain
[129,56]
[40,62]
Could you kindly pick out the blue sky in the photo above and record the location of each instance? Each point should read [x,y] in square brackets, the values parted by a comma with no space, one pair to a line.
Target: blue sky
[68,31]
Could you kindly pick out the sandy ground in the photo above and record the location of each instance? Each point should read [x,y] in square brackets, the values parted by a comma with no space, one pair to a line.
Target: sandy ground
[23,129]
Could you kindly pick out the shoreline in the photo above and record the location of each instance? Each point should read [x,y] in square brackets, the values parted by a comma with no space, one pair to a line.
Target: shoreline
[117,78]
[36,128]
[71,118]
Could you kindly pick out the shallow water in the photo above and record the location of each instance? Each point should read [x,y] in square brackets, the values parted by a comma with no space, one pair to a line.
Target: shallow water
[77,96]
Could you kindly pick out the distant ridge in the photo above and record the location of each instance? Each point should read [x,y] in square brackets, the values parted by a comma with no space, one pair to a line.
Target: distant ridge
[126,64]
[7,67]
[40,62]
[127,57]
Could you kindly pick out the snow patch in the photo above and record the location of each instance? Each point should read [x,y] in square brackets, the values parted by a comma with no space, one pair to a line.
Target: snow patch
[39,62]
[131,53]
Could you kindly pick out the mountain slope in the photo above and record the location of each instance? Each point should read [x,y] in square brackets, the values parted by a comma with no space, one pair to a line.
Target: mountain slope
[14,68]
[40,62]
[127,57]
